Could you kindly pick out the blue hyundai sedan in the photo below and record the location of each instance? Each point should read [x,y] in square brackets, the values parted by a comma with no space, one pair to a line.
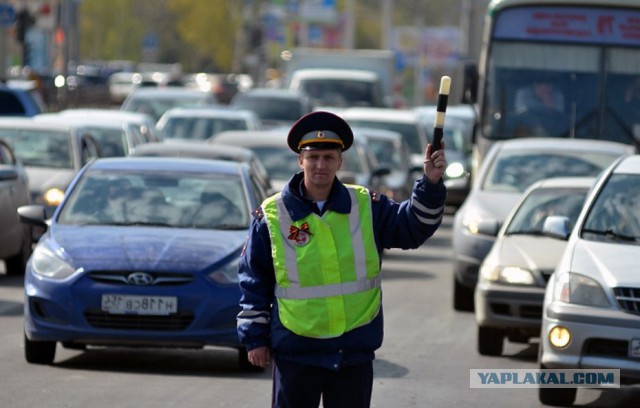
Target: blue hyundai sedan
[141,252]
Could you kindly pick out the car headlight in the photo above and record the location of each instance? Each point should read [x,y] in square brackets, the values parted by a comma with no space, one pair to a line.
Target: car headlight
[47,264]
[580,290]
[454,170]
[227,274]
[510,275]
[53,196]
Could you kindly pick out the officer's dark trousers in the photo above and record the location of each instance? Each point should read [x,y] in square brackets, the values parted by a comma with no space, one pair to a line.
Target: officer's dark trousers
[302,386]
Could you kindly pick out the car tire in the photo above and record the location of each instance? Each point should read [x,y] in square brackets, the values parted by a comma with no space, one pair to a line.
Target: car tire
[462,297]
[490,341]
[558,397]
[39,352]
[16,264]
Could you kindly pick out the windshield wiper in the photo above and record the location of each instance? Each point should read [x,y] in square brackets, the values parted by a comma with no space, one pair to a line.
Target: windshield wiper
[141,223]
[525,232]
[609,233]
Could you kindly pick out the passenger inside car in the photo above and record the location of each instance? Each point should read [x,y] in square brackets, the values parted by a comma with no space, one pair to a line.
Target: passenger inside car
[215,209]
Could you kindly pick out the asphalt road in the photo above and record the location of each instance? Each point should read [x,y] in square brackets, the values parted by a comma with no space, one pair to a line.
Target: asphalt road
[424,361]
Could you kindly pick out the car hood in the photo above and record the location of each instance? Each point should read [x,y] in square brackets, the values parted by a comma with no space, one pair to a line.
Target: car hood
[530,252]
[614,264]
[486,205]
[145,247]
[43,178]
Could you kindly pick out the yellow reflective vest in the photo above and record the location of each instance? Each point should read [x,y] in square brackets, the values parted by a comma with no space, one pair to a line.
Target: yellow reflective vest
[327,267]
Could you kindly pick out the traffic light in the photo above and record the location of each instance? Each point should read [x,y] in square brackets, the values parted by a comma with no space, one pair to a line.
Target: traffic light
[24,20]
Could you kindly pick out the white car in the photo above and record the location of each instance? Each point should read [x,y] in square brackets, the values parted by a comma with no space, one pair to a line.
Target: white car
[197,124]
[508,169]
[404,121]
[591,310]
[513,276]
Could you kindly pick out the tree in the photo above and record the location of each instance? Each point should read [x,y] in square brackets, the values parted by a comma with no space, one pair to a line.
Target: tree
[209,28]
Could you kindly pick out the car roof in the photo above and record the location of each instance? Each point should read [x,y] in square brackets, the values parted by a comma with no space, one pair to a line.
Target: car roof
[252,138]
[560,144]
[380,114]
[376,133]
[108,113]
[168,164]
[272,93]
[168,92]
[628,165]
[179,148]
[210,112]
[331,73]
[44,124]
[564,182]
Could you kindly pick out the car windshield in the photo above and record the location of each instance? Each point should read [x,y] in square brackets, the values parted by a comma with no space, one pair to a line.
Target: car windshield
[273,109]
[409,132]
[543,203]
[281,163]
[169,199]
[517,170]
[196,128]
[615,214]
[40,148]
[112,142]
[157,106]
[386,152]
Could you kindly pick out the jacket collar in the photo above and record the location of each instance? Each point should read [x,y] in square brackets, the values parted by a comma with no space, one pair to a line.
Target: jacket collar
[300,207]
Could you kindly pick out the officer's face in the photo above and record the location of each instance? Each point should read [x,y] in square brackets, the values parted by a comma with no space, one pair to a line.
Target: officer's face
[320,166]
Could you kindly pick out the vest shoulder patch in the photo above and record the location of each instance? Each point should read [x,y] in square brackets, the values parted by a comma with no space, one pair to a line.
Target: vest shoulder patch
[258,213]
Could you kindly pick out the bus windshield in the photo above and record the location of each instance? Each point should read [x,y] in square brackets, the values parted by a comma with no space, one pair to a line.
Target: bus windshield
[561,71]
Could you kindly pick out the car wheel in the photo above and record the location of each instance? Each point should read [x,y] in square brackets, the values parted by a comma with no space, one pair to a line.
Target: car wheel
[39,352]
[462,297]
[16,264]
[490,341]
[559,397]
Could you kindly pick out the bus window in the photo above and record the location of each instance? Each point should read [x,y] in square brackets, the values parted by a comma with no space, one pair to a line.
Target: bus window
[588,50]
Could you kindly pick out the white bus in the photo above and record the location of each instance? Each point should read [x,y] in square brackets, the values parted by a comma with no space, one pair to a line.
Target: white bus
[588,51]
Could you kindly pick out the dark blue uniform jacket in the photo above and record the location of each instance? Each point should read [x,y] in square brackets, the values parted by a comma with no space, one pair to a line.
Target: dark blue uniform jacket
[403,225]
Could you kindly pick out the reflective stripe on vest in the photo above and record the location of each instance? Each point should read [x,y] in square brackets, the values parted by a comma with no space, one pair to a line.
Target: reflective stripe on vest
[327,282]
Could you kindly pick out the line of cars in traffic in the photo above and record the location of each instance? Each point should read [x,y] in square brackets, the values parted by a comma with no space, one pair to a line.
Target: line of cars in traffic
[544,247]
[505,244]
[175,226]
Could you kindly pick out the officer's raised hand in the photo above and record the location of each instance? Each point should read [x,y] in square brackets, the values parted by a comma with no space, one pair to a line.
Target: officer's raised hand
[434,164]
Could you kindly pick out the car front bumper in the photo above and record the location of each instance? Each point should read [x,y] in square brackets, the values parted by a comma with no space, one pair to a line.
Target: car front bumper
[600,339]
[509,307]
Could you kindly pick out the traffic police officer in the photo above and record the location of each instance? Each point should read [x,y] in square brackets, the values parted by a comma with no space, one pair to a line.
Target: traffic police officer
[310,270]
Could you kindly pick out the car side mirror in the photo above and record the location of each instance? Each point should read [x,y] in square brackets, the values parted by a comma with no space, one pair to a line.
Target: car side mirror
[34,215]
[557,226]
[489,227]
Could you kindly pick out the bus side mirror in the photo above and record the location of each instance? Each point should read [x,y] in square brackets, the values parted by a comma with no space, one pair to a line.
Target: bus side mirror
[470,83]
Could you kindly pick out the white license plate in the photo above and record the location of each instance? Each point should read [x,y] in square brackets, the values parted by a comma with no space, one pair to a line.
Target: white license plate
[141,305]
[634,348]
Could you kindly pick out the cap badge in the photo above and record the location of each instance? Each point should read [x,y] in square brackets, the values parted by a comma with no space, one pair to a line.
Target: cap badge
[321,135]
[299,235]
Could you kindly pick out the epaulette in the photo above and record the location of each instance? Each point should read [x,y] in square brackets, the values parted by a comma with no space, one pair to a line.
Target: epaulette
[375,196]
[258,213]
